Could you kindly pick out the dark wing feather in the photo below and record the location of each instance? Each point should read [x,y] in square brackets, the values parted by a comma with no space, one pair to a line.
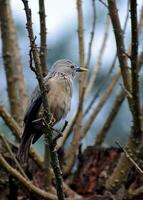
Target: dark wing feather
[33,109]
[27,135]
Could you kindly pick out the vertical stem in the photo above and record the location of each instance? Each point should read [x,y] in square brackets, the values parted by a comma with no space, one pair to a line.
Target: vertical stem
[134,72]
[43,59]
[71,152]
[12,61]
[135,140]
[92,34]
[121,52]
[54,157]
[107,124]
[43,34]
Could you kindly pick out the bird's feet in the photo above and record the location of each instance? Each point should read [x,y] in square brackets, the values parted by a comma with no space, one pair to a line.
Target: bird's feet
[52,120]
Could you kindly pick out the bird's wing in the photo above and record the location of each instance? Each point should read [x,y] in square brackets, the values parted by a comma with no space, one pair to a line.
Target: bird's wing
[33,102]
[33,110]
[30,115]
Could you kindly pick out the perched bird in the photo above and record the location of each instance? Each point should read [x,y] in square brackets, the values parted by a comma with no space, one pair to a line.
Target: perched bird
[59,85]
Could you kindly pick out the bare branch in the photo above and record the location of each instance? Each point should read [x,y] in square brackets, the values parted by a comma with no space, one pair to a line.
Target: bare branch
[107,124]
[79,116]
[29,186]
[48,134]
[96,110]
[96,95]
[99,58]
[13,156]
[43,59]
[110,70]
[124,165]
[14,127]
[12,62]
[92,34]
[120,45]
[101,1]
[43,45]
[134,72]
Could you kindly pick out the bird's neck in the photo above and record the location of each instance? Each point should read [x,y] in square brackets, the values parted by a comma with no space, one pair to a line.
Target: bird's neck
[61,75]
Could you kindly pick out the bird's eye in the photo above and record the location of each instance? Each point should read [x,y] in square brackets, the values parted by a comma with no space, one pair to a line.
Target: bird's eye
[72,66]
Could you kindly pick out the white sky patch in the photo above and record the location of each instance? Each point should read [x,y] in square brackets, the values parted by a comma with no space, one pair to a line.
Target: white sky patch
[59,13]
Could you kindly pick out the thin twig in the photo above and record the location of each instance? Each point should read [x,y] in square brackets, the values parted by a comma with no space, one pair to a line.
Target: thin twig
[43,34]
[101,103]
[114,110]
[99,59]
[13,156]
[101,1]
[67,130]
[102,84]
[92,34]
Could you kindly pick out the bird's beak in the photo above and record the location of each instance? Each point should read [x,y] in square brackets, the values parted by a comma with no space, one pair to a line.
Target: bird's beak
[81,69]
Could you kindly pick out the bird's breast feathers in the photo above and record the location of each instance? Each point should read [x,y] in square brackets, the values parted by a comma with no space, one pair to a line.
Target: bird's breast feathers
[59,97]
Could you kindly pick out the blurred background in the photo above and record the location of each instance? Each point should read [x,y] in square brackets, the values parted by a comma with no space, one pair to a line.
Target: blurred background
[62,42]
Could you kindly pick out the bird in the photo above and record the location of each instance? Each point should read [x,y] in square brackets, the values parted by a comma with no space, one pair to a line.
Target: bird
[59,88]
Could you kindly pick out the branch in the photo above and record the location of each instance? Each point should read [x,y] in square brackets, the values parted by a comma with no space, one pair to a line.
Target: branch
[43,45]
[13,156]
[79,115]
[48,134]
[43,60]
[30,187]
[120,46]
[101,85]
[99,59]
[134,73]
[67,131]
[92,34]
[101,103]
[12,124]
[124,165]
[107,124]
[116,106]
[101,1]
[71,151]
[10,57]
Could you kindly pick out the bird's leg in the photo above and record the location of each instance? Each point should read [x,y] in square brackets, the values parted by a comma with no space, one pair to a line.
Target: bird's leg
[41,123]
[52,120]
[38,123]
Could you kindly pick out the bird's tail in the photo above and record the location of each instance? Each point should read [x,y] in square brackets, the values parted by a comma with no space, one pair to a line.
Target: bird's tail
[23,150]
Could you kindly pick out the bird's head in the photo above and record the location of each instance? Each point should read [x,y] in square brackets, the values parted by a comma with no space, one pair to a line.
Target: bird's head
[67,67]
